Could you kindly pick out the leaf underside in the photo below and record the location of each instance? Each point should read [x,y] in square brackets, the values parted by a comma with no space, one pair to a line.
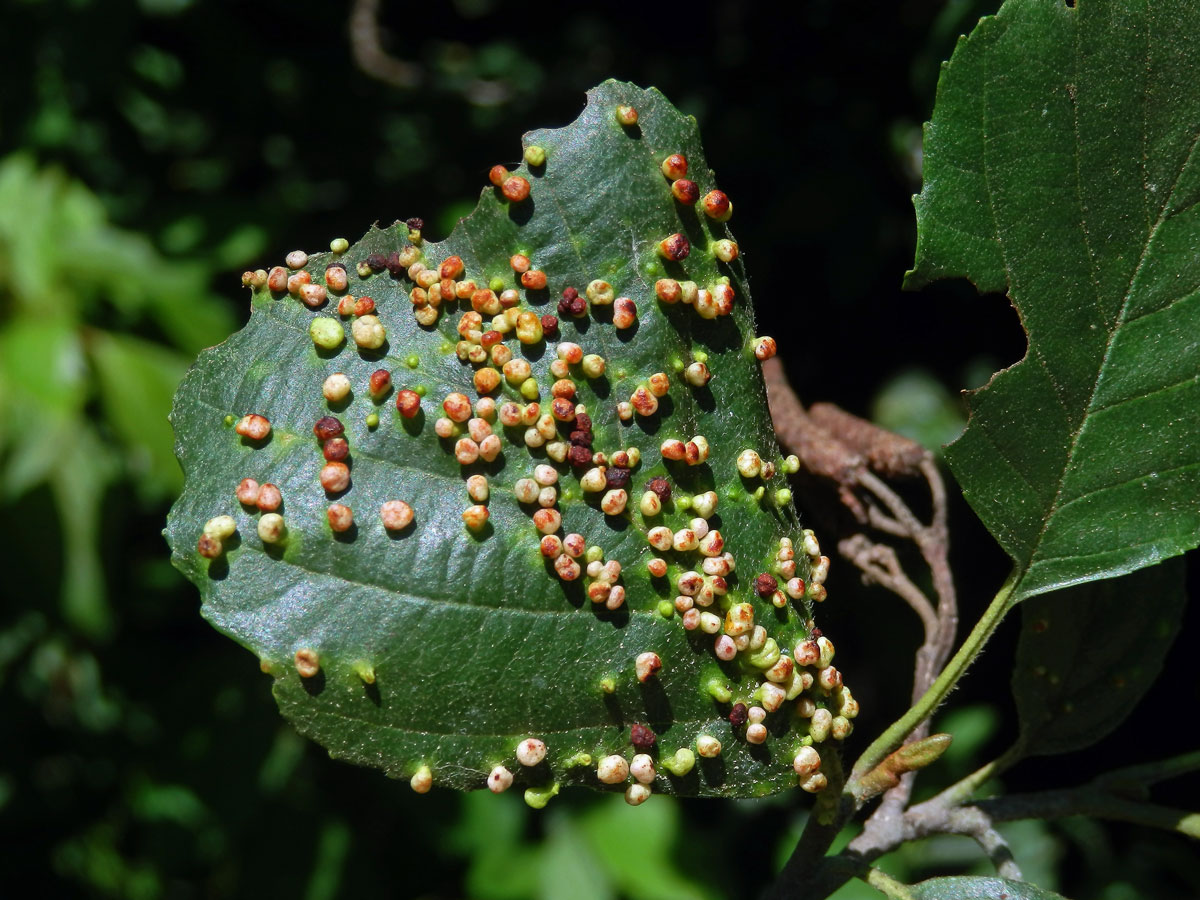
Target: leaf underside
[1061,167]
[1075,684]
[972,887]
[473,641]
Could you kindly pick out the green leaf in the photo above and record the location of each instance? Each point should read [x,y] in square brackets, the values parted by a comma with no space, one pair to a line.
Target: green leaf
[1061,167]
[1074,684]
[472,640]
[136,380]
[974,887]
[638,848]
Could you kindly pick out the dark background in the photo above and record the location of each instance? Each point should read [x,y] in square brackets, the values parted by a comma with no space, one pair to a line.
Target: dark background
[172,144]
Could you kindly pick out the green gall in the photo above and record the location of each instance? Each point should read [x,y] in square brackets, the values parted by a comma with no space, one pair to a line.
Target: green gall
[496,285]
[637,794]
[783,496]
[422,780]
[592,365]
[718,690]
[627,115]
[364,270]
[791,464]
[577,759]
[326,333]
[373,420]
[767,656]
[535,156]
[339,245]
[666,608]
[608,685]
[228,420]
[708,746]
[820,725]
[222,527]
[600,293]
[271,529]
[368,332]
[594,554]
[538,797]
[412,361]
[725,250]
[365,671]
[682,762]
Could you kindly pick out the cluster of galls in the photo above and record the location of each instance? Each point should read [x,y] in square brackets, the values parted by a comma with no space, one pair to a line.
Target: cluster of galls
[805,681]
[638,773]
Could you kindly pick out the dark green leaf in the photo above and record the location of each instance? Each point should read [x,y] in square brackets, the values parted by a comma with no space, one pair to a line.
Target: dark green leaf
[975,887]
[1061,168]
[473,640]
[1087,655]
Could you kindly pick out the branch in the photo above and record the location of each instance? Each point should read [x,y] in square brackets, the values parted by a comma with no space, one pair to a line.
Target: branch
[887,885]
[849,451]
[366,46]
[1135,780]
[1090,800]
[1119,795]
[880,565]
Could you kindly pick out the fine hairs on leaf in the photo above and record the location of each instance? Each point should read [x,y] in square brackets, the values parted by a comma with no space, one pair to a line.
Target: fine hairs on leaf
[534,526]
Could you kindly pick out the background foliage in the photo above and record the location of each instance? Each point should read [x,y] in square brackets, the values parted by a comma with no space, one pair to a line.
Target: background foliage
[143,754]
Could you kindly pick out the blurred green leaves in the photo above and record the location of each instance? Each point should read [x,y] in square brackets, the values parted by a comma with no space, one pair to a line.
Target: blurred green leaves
[92,317]
[601,851]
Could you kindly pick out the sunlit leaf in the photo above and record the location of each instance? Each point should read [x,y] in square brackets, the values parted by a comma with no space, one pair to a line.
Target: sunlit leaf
[976,887]
[1061,167]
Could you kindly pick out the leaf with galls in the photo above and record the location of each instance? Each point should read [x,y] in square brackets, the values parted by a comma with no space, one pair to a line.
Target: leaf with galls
[478,567]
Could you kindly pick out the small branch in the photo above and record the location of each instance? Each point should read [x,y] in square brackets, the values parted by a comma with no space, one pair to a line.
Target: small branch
[925,820]
[977,824]
[889,498]
[880,521]
[1090,800]
[366,46]
[1141,776]
[879,565]
[962,791]
[807,870]
[852,453]
[887,885]
[895,735]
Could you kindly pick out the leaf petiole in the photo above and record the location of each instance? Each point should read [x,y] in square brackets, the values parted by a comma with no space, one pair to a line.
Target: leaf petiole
[895,734]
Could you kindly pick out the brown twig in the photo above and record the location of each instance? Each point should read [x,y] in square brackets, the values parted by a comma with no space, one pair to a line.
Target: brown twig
[849,451]
[366,46]
[880,565]
[852,453]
